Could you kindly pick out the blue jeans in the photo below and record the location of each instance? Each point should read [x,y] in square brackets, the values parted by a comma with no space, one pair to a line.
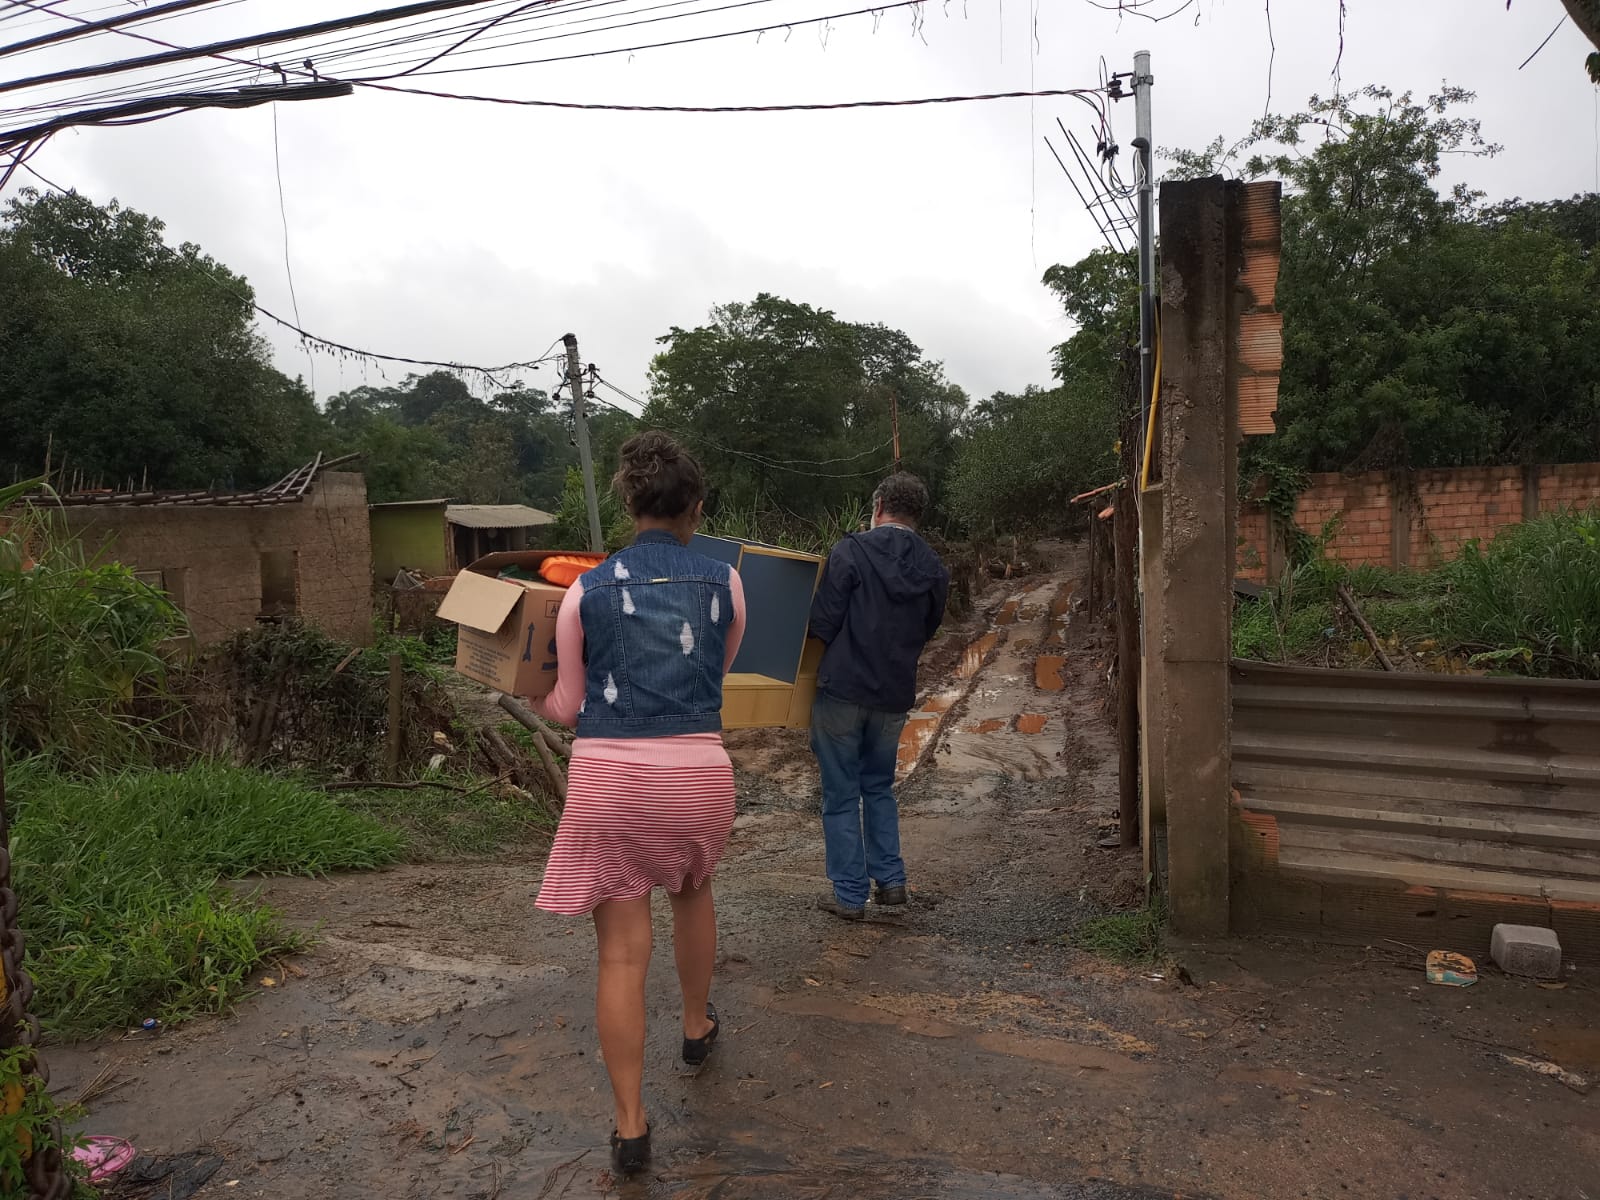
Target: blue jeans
[856,751]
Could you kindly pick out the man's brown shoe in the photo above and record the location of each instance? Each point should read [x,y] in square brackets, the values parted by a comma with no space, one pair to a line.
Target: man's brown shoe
[829,903]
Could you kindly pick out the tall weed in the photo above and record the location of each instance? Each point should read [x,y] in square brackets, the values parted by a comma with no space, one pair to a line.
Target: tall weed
[118,875]
[81,644]
[777,527]
[1532,596]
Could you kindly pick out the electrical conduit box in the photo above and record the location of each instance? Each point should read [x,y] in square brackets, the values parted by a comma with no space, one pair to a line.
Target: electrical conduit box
[506,627]
[773,681]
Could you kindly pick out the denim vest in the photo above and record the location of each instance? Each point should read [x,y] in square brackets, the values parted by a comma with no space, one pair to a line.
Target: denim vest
[655,621]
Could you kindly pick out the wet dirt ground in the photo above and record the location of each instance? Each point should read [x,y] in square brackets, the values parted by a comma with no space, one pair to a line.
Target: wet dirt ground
[438,1040]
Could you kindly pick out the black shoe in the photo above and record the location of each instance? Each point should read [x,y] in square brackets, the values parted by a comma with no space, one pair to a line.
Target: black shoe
[629,1156]
[697,1050]
[892,897]
[830,903]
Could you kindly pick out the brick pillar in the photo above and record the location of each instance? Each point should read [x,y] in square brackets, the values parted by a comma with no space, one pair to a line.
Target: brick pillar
[1200,260]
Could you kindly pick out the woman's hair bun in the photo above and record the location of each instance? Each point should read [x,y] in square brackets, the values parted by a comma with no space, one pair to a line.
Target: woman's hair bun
[657,477]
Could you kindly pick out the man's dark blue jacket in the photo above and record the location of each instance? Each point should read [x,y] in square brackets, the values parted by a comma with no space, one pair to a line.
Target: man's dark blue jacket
[882,597]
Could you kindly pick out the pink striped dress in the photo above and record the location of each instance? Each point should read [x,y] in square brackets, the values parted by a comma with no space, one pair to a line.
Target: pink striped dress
[641,813]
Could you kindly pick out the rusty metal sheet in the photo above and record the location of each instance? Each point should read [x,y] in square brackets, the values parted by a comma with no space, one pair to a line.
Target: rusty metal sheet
[1441,790]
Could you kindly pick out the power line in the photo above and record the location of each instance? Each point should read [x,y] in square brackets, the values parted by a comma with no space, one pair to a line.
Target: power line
[1565,17]
[323,59]
[211,75]
[124,17]
[792,466]
[876,11]
[156,108]
[556,37]
[725,108]
[328,345]
[319,58]
[288,261]
[185,53]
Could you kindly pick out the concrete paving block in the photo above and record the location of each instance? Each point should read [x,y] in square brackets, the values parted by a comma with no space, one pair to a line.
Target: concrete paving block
[1526,950]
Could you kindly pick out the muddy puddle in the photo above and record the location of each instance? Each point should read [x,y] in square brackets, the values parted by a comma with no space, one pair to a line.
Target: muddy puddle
[1026,642]
[923,725]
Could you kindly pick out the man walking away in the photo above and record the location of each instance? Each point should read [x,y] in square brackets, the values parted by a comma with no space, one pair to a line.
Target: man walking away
[882,597]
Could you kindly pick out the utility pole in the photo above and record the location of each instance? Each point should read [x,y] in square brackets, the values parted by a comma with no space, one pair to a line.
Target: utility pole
[580,427]
[1142,81]
[894,424]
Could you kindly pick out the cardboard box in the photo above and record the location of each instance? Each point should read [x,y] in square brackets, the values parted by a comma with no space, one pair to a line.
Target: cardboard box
[506,628]
[774,678]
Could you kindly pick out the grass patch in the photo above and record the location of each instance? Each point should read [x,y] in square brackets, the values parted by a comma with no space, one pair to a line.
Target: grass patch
[118,878]
[441,823]
[1132,938]
[1527,602]
[1531,598]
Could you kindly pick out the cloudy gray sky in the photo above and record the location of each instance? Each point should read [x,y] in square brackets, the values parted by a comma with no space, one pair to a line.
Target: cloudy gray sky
[469,232]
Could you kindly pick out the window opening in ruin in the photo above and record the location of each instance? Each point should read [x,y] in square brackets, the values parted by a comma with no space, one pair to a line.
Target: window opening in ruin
[280,584]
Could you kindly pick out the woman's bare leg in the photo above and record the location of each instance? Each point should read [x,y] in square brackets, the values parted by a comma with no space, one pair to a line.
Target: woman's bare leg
[694,944]
[622,929]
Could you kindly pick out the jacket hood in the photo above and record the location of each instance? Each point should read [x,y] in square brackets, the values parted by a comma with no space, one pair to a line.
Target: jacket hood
[904,562]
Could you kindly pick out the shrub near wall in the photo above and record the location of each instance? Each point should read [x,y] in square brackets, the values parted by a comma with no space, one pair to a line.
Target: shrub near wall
[1436,511]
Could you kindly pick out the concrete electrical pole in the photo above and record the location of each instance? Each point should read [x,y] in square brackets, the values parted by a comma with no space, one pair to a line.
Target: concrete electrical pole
[580,427]
[1142,81]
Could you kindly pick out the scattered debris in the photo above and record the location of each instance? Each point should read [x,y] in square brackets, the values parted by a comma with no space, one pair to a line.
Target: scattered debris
[1451,969]
[1539,1066]
[103,1157]
[1528,950]
[174,1177]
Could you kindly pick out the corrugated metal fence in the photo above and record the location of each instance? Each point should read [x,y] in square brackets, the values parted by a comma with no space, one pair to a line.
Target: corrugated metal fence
[1414,805]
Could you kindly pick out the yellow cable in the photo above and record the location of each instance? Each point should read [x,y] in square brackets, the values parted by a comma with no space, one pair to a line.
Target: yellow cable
[1155,401]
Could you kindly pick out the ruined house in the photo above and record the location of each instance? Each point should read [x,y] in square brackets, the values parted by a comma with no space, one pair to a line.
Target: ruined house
[231,560]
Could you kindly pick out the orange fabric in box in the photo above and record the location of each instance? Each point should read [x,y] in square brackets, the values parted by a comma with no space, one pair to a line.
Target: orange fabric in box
[563,569]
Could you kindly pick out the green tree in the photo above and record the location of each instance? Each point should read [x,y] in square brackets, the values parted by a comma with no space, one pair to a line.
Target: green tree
[134,360]
[431,436]
[1022,457]
[789,407]
[1420,329]
[1028,454]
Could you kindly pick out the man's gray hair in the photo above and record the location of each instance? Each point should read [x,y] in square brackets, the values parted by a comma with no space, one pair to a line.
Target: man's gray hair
[903,495]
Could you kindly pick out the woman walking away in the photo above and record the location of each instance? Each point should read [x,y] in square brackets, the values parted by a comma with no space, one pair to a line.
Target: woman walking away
[643,642]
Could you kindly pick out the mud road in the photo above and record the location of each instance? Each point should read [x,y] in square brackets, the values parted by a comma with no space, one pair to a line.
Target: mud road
[438,1040]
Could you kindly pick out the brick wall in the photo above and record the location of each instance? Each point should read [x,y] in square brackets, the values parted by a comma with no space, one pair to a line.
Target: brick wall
[211,558]
[1382,521]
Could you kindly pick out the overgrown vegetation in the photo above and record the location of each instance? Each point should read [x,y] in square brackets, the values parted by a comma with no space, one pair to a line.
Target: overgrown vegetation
[290,697]
[118,876]
[815,535]
[1532,596]
[1526,603]
[123,868]
[81,645]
